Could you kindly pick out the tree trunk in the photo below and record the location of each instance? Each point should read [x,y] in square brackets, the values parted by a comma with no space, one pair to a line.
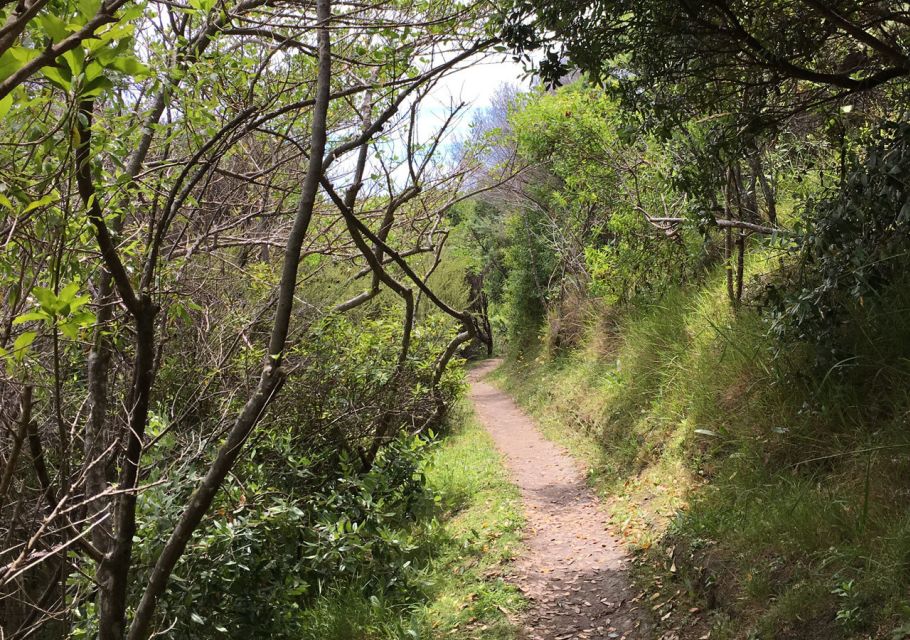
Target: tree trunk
[113,572]
[272,374]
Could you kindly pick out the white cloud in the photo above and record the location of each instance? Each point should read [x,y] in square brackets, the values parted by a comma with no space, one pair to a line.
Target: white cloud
[474,85]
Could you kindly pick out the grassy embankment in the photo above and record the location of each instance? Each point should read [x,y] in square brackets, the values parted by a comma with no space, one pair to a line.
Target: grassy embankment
[459,590]
[774,499]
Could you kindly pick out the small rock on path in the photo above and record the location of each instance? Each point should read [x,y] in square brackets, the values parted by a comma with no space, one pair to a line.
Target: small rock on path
[573,571]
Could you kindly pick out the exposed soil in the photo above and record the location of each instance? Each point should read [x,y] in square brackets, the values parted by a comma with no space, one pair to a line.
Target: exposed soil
[574,570]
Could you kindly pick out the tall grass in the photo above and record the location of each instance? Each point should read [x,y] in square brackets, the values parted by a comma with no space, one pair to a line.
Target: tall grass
[780,490]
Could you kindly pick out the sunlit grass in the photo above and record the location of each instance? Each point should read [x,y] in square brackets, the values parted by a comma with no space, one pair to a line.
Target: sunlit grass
[782,491]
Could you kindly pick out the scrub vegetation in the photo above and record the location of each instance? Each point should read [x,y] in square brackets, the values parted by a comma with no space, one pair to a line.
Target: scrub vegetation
[246,249]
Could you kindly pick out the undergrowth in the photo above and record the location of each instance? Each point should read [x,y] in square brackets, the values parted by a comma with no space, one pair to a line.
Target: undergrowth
[457,588]
[774,494]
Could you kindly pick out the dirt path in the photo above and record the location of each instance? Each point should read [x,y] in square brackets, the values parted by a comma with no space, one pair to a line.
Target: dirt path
[574,570]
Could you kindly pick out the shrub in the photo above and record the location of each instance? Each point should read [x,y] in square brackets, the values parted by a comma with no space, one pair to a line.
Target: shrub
[854,244]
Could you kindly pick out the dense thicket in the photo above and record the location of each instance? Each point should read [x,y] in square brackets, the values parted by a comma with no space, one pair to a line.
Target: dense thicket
[219,329]
[702,130]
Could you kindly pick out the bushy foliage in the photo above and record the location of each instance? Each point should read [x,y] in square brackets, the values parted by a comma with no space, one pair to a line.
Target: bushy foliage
[852,246]
[529,261]
[304,512]
[577,223]
[255,570]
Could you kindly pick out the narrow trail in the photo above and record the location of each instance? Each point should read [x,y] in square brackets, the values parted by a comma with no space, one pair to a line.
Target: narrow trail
[574,571]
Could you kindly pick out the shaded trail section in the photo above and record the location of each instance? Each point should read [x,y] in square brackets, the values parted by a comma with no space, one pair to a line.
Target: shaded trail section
[573,571]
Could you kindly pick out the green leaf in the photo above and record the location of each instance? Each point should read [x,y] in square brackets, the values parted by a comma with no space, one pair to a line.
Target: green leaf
[53,196]
[88,9]
[122,31]
[69,329]
[75,60]
[5,105]
[83,318]
[68,293]
[56,76]
[79,301]
[23,54]
[31,315]
[132,12]
[46,299]
[52,26]
[97,86]
[105,54]
[202,5]
[93,70]
[22,343]
[130,66]
[14,59]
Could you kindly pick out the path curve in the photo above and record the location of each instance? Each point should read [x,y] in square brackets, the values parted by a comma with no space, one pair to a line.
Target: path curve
[573,571]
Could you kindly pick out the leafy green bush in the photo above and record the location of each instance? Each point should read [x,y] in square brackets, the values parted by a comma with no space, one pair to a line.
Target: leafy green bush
[529,261]
[854,244]
[304,512]
[256,569]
